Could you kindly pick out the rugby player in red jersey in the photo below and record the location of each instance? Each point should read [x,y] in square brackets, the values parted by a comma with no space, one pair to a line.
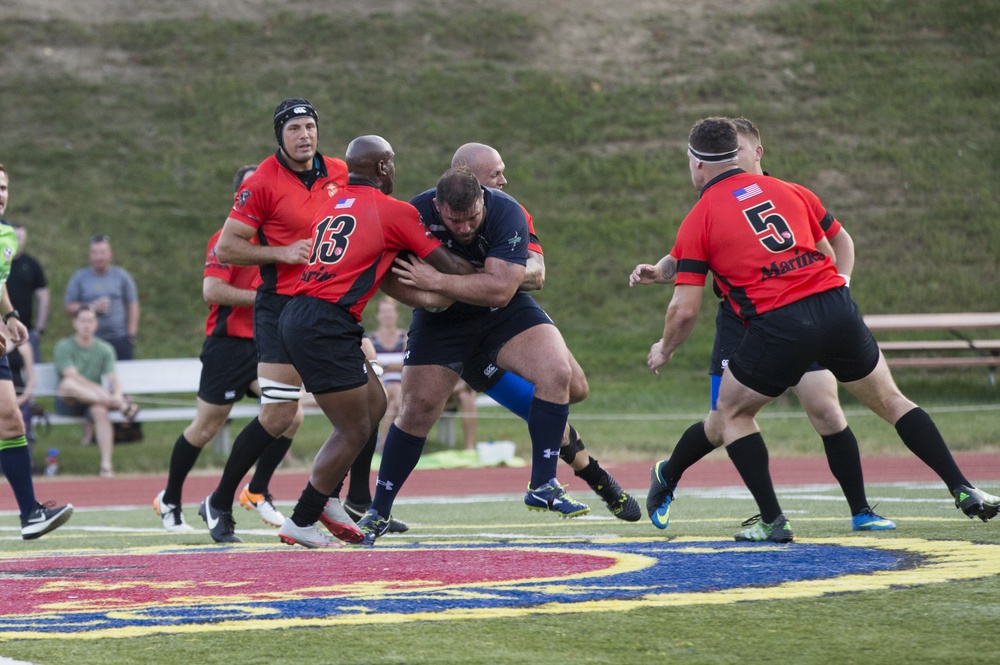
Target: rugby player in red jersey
[355,239]
[758,236]
[817,390]
[228,372]
[276,208]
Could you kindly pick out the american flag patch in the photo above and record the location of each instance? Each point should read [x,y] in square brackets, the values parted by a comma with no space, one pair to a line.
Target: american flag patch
[747,192]
[347,203]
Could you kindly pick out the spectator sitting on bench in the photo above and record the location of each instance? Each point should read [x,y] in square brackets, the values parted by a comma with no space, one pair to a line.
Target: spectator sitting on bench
[85,364]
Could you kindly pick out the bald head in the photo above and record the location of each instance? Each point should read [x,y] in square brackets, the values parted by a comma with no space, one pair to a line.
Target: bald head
[484,162]
[371,158]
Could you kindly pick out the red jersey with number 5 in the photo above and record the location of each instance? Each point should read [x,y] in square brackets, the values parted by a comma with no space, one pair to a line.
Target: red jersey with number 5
[757,235]
[281,208]
[356,237]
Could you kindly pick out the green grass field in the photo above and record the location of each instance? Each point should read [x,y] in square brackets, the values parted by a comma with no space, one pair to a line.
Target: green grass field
[850,620]
[130,118]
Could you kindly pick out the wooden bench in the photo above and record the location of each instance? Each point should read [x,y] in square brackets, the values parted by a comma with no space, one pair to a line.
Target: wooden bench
[165,388]
[960,351]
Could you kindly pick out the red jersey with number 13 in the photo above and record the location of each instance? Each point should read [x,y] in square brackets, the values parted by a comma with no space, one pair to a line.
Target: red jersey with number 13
[277,204]
[356,237]
[757,235]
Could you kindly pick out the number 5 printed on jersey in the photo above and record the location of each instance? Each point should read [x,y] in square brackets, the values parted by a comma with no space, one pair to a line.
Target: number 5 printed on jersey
[772,230]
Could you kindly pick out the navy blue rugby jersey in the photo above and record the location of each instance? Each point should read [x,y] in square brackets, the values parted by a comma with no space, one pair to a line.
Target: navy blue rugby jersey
[503,235]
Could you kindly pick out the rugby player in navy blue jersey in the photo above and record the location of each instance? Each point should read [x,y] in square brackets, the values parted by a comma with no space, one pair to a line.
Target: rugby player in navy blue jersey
[513,392]
[490,315]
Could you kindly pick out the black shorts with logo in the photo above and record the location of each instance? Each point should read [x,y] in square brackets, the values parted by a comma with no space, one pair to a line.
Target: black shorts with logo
[481,373]
[453,340]
[228,367]
[781,344]
[323,342]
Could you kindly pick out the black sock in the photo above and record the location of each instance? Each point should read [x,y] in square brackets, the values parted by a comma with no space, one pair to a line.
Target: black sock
[359,489]
[749,455]
[693,445]
[182,460]
[247,449]
[844,458]
[592,474]
[270,460]
[921,436]
[309,506]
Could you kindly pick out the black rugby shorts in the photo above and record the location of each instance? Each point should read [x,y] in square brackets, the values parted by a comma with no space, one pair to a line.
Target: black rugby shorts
[267,310]
[323,341]
[781,344]
[228,367]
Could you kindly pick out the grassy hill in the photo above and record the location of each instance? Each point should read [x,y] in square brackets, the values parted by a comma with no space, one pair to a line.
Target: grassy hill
[131,121]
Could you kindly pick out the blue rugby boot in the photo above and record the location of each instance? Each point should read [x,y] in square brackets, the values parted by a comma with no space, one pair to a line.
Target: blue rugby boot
[221,524]
[44,518]
[659,498]
[867,520]
[552,496]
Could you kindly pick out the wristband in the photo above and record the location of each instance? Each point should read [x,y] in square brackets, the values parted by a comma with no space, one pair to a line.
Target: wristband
[11,314]
[847,279]
[379,371]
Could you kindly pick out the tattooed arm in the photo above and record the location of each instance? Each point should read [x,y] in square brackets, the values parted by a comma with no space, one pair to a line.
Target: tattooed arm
[664,272]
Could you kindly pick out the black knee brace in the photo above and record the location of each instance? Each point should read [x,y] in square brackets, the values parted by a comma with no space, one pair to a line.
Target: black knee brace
[569,452]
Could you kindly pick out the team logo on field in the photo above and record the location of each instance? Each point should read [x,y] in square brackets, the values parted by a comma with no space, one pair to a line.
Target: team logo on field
[183,589]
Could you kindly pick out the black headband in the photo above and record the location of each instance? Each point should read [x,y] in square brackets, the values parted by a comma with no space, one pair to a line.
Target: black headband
[713,157]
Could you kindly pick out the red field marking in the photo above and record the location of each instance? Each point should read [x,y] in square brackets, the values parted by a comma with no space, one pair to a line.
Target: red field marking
[716,471]
[104,582]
